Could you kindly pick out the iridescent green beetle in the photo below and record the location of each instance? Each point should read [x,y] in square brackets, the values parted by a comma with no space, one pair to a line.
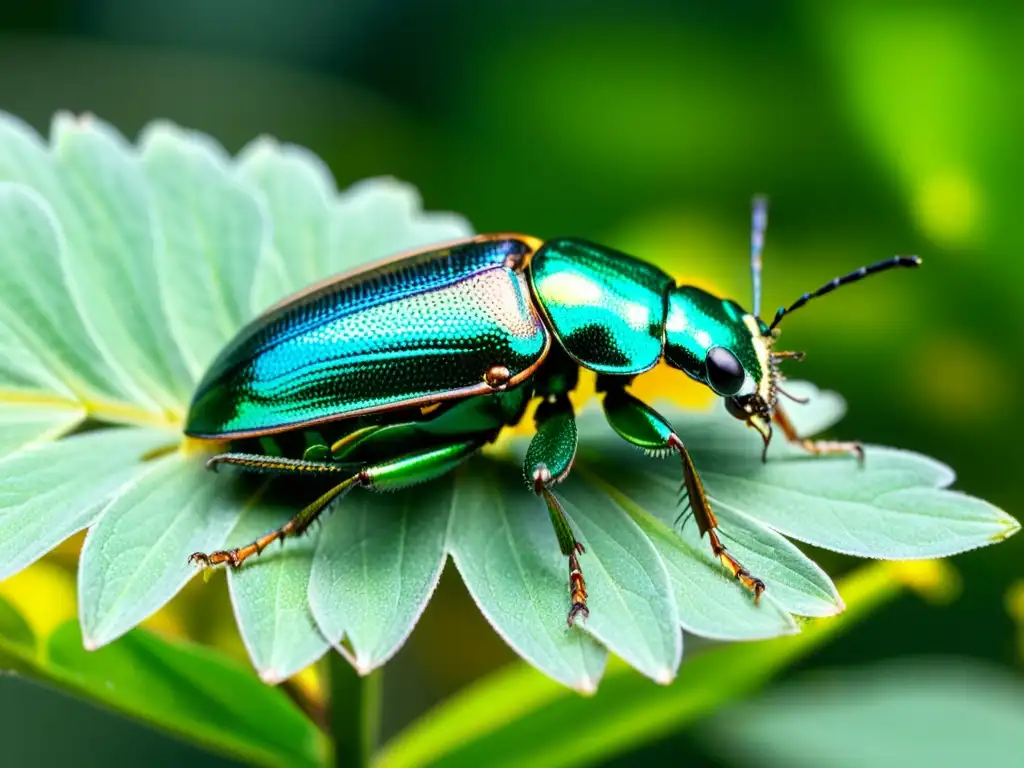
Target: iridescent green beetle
[395,374]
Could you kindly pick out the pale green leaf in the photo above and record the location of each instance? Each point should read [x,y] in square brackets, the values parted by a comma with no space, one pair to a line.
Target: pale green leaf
[111,234]
[270,283]
[793,581]
[36,309]
[952,712]
[512,567]
[632,609]
[22,425]
[822,410]
[24,377]
[709,602]
[269,594]
[48,492]
[25,158]
[211,235]
[891,507]
[381,217]
[318,233]
[798,584]
[379,560]
[299,192]
[135,557]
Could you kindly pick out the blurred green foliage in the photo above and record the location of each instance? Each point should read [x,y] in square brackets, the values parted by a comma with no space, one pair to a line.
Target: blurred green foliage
[874,127]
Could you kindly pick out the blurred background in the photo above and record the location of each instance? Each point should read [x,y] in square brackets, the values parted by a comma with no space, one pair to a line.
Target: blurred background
[875,128]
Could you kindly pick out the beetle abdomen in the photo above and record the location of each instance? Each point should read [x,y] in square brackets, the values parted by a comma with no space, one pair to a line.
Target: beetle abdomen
[429,327]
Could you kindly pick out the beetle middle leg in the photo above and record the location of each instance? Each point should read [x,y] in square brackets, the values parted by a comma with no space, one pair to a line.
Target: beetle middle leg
[644,427]
[548,461]
[392,474]
[815,447]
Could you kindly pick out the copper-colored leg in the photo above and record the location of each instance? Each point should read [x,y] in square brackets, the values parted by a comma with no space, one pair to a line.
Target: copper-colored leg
[294,527]
[815,447]
[707,523]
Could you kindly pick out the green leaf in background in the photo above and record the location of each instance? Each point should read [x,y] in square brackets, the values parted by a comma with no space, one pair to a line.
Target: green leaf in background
[184,687]
[15,631]
[907,712]
[181,688]
[517,717]
[135,263]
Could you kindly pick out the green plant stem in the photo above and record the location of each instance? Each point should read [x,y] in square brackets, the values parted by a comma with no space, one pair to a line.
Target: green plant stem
[355,713]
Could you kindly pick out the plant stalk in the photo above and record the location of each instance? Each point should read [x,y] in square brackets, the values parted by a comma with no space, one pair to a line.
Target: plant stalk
[355,713]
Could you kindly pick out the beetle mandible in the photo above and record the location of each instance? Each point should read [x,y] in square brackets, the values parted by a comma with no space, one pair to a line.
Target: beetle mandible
[397,373]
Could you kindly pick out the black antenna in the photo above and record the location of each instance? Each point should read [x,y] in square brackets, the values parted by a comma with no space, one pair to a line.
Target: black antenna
[758,224]
[895,261]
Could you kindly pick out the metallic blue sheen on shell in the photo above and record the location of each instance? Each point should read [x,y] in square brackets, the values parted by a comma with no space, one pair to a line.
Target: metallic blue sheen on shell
[414,330]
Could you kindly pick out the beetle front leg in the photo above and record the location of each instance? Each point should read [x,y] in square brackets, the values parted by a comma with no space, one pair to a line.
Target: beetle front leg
[644,427]
[548,461]
[815,447]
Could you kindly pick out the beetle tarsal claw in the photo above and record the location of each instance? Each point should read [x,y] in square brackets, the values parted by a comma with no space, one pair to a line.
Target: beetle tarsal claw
[577,587]
[213,559]
[199,558]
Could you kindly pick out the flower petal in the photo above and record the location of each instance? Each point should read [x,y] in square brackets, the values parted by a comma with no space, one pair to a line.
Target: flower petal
[43,340]
[299,192]
[379,560]
[109,227]
[212,232]
[269,594]
[381,217]
[505,549]
[135,557]
[632,608]
[52,491]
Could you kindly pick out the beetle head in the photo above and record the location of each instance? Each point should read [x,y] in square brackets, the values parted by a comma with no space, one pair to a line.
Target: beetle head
[721,345]
[718,343]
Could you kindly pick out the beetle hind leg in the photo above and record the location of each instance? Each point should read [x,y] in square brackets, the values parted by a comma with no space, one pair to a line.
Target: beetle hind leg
[393,474]
[548,460]
[294,527]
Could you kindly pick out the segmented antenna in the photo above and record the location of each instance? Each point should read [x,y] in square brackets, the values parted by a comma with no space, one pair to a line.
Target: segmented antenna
[895,261]
[758,224]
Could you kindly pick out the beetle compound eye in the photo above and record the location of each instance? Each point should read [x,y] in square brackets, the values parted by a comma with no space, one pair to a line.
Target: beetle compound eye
[725,374]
